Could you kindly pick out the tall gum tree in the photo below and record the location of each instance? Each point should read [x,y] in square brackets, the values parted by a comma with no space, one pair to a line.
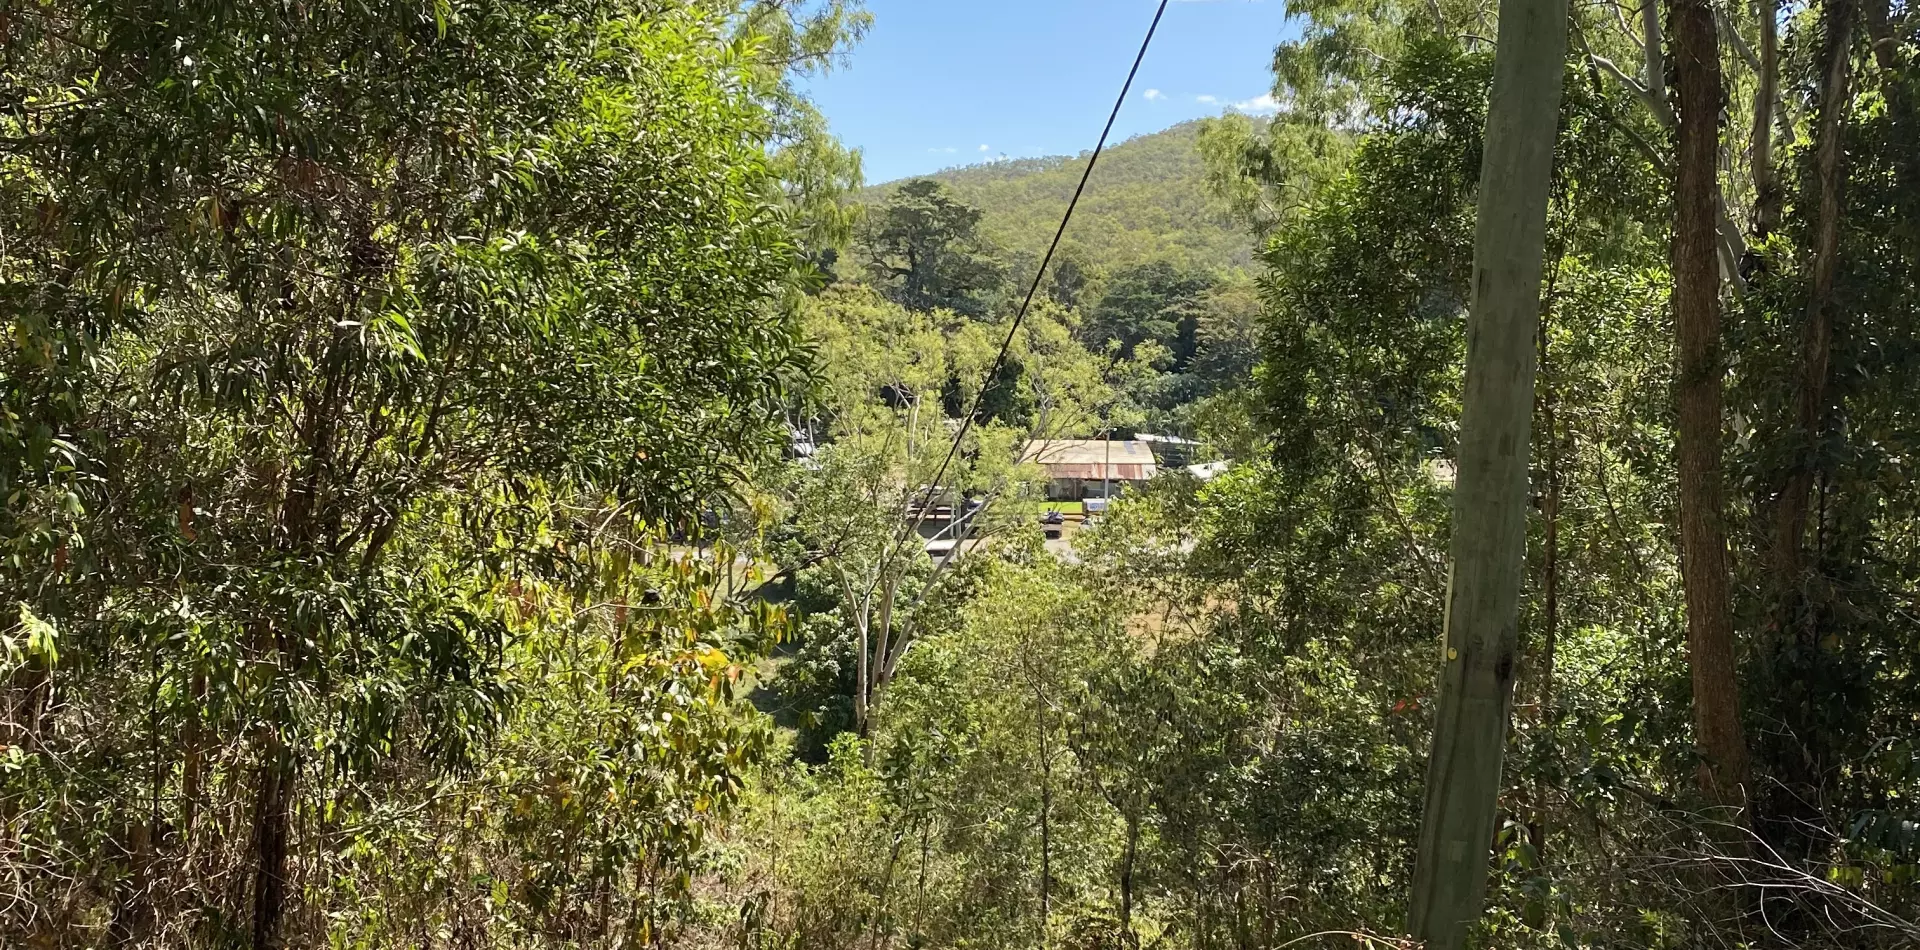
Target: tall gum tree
[1705,574]
[1490,502]
[1800,767]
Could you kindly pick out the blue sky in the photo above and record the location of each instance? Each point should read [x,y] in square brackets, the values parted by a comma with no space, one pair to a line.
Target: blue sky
[939,83]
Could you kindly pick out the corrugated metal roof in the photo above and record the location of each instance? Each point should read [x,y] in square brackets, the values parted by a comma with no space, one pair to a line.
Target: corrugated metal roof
[1087,452]
[1092,459]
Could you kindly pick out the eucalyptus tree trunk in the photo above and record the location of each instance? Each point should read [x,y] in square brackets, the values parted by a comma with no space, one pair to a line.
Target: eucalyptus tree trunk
[1127,858]
[1766,94]
[1704,570]
[1790,813]
[1046,820]
[1790,520]
[1883,35]
[1490,495]
[272,842]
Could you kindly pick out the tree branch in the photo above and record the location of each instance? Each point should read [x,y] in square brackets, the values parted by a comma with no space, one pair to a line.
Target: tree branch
[1656,63]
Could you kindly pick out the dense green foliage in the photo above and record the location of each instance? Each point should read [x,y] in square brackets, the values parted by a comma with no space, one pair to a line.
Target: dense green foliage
[470,470]
[352,353]
[924,248]
[1208,726]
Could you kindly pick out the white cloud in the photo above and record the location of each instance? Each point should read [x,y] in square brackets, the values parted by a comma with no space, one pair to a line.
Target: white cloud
[1258,105]
[983,148]
[1153,94]
[1206,100]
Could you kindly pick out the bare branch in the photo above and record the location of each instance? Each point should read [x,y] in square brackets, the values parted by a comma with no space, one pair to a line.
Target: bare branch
[1740,46]
[1620,18]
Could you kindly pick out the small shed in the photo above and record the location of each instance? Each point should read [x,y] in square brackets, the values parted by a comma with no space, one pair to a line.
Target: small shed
[1090,468]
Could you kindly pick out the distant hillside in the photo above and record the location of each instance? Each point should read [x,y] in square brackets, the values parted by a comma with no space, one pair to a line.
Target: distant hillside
[1147,201]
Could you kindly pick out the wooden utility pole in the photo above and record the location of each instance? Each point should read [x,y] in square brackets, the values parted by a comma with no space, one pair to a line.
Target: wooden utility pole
[1490,493]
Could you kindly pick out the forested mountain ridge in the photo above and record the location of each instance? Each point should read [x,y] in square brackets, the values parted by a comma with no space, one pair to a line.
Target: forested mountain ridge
[1147,200]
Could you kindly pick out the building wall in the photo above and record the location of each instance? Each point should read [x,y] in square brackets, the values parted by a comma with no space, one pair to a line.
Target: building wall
[1077,489]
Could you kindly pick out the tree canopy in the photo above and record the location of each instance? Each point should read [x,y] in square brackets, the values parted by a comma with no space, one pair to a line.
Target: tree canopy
[486,473]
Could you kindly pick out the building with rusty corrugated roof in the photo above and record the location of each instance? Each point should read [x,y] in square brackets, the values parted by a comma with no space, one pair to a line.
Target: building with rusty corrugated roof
[1090,468]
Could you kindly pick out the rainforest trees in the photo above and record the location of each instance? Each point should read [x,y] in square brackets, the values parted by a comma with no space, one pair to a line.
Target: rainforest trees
[355,353]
